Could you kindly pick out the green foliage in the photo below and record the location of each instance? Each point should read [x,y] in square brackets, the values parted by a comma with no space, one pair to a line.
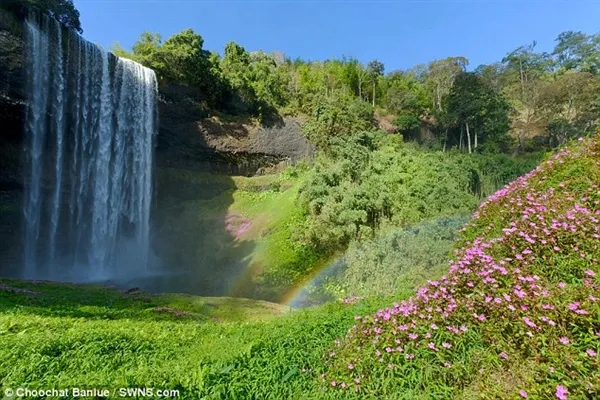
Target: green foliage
[472,102]
[63,11]
[370,178]
[336,117]
[578,51]
[407,123]
[395,262]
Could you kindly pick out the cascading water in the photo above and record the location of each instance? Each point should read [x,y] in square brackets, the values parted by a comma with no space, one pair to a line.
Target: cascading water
[90,126]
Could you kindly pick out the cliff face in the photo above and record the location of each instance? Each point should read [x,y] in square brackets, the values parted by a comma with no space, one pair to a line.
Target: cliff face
[231,145]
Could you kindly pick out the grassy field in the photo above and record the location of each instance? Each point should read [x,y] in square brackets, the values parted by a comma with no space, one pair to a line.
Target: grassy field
[62,336]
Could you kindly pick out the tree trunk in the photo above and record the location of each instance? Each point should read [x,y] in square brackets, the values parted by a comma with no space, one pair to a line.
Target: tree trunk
[359,88]
[475,139]
[460,142]
[374,86]
[468,137]
[445,140]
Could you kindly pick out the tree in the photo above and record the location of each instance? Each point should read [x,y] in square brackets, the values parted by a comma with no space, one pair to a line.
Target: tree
[362,75]
[406,97]
[440,78]
[480,109]
[62,10]
[578,51]
[375,69]
[570,105]
[339,115]
[525,71]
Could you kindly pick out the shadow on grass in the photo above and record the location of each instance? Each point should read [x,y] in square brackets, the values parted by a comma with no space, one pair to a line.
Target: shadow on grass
[95,302]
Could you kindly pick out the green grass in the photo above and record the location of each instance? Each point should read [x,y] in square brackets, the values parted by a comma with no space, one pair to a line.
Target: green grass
[62,336]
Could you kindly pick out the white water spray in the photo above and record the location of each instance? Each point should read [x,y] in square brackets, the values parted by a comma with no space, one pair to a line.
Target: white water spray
[90,127]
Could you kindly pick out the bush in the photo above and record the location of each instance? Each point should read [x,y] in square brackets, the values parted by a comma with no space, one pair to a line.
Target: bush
[370,178]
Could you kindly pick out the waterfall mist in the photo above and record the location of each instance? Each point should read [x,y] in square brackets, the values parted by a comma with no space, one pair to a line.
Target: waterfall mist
[90,127]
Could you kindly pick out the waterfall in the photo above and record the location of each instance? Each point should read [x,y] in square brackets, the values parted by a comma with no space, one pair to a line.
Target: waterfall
[90,129]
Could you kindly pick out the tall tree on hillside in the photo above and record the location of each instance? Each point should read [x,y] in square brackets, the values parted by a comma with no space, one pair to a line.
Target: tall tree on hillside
[406,97]
[268,79]
[578,51]
[483,112]
[146,51]
[525,71]
[185,59]
[493,75]
[440,78]
[570,105]
[375,70]
[362,75]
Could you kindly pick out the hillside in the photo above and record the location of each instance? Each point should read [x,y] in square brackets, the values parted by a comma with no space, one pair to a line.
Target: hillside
[517,313]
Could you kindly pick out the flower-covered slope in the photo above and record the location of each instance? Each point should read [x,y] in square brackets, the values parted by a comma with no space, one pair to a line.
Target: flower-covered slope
[517,315]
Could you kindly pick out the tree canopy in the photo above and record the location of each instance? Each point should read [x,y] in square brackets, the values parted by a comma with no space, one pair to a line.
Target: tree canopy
[63,11]
[500,107]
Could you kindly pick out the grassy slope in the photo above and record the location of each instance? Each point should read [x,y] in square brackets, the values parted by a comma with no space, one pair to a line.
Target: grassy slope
[516,316]
[262,213]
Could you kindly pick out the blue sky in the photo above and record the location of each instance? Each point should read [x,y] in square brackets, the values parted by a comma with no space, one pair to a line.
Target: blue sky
[400,33]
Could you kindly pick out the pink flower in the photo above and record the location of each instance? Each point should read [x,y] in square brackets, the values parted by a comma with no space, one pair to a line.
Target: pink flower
[503,355]
[333,383]
[431,345]
[591,353]
[529,322]
[561,392]
[523,394]
[350,366]
[446,345]
[589,272]
[562,285]
[564,340]
[409,356]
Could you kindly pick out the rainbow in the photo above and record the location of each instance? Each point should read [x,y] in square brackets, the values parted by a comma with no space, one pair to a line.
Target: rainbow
[296,294]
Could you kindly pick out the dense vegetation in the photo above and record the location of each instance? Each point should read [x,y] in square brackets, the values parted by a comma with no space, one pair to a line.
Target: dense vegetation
[517,313]
[513,314]
[529,94]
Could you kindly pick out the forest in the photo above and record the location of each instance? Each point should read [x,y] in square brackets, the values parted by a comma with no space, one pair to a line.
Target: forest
[526,101]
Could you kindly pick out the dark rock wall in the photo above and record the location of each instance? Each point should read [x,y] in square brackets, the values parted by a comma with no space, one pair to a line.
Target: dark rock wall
[12,114]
